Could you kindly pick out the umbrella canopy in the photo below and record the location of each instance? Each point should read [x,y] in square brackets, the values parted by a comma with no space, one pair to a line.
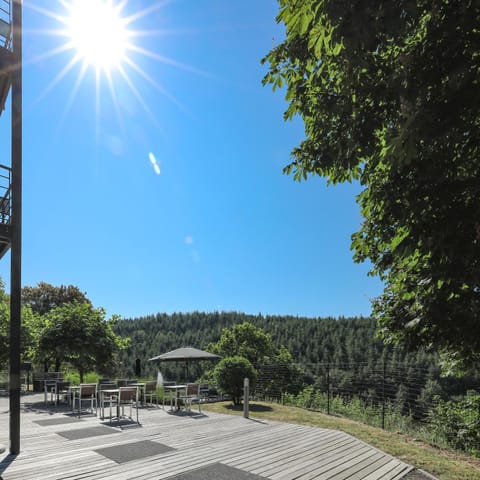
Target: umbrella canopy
[186,354]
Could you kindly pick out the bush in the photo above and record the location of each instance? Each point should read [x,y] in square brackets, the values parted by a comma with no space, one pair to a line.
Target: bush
[74,377]
[458,422]
[229,375]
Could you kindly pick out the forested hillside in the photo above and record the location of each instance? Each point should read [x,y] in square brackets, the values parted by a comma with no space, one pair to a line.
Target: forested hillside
[310,340]
[342,369]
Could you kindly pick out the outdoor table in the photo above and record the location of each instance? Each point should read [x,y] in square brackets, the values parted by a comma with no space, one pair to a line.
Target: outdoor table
[110,392]
[177,389]
[141,388]
[49,386]
[74,391]
[52,387]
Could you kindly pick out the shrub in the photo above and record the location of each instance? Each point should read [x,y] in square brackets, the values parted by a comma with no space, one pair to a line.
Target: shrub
[229,375]
[458,422]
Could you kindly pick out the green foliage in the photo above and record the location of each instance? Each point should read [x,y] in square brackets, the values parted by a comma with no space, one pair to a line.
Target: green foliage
[245,340]
[45,297]
[453,424]
[74,377]
[230,373]
[277,373]
[458,422]
[388,93]
[79,334]
[29,329]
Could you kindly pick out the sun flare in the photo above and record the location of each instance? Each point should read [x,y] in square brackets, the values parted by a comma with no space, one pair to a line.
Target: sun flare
[97,33]
[107,38]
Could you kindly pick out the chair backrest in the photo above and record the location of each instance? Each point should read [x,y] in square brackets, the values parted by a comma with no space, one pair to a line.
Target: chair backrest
[49,385]
[106,386]
[151,386]
[192,389]
[88,389]
[128,394]
[62,386]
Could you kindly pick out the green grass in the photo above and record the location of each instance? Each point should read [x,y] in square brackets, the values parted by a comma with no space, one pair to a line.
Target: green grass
[443,464]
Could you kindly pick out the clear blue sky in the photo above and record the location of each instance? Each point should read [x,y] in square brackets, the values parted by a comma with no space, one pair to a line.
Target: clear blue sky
[215,225]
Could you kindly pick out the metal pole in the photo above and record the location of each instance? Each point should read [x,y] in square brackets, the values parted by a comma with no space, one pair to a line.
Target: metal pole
[383,393]
[328,388]
[246,397]
[16,253]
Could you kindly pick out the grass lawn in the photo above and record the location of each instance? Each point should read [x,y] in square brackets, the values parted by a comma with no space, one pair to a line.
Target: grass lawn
[443,464]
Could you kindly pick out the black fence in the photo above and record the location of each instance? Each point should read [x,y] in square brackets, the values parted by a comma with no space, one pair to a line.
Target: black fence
[387,395]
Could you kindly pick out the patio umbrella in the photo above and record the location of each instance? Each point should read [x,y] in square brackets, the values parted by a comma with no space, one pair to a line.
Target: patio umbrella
[185,354]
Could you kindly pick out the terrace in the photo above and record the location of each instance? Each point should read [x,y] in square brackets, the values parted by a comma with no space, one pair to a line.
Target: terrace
[56,445]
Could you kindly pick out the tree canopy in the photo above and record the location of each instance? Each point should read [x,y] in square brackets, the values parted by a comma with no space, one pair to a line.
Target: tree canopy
[79,334]
[389,95]
[245,340]
[44,297]
[29,328]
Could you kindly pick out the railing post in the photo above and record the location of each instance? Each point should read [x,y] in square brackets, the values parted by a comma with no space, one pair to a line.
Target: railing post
[246,397]
[328,388]
[383,393]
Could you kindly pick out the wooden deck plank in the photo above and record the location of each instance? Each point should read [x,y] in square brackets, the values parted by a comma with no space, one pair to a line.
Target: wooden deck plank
[275,450]
[314,459]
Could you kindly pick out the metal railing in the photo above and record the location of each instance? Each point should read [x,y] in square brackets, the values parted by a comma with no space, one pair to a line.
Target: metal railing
[386,394]
[5,23]
[5,194]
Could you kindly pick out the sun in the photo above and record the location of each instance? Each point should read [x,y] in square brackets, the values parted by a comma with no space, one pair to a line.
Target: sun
[97,33]
[105,37]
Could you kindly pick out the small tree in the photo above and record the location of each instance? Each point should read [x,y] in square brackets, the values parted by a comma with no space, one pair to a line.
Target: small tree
[245,340]
[274,364]
[79,334]
[229,375]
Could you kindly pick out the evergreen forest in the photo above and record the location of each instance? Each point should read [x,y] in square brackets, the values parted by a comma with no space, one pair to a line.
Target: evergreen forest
[347,343]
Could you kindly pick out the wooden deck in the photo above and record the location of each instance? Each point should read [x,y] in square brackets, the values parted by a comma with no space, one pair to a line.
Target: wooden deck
[273,450]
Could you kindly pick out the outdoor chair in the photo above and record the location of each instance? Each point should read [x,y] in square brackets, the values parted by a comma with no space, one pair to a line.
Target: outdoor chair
[62,391]
[86,392]
[105,380]
[192,393]
[127,396]
[204,392]
[168,395]
[49,387]
[150,391]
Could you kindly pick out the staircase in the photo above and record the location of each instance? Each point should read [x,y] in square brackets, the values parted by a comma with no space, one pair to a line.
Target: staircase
[6,62]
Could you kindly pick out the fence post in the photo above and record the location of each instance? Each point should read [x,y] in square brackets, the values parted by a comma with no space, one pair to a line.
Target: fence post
[246,397]
[383,393]
[328,388]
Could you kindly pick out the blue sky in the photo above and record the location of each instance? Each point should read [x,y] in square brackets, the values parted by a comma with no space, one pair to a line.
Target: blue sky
[215,225]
